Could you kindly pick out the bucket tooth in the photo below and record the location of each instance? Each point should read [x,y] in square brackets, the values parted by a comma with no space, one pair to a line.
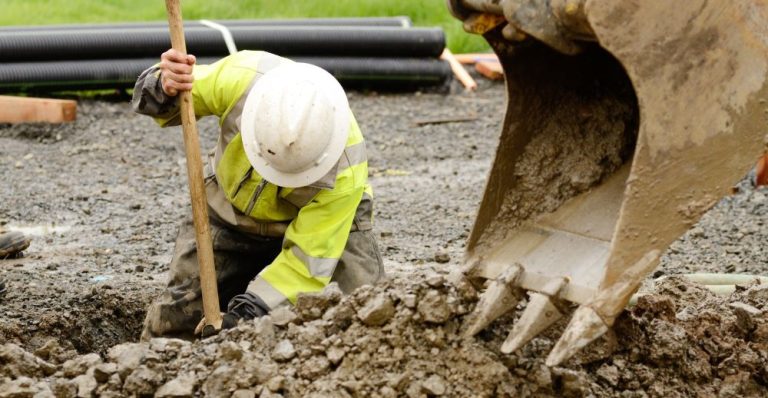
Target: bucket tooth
[585,326]
[501,296]
[594,318]
[540,313]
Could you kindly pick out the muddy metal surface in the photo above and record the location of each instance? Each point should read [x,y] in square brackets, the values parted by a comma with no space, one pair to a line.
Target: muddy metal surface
[103,197]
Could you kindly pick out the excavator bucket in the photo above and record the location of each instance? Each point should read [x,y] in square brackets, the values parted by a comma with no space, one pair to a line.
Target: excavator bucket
[626,121]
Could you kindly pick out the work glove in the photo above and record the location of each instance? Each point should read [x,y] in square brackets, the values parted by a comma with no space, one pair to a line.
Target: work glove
[243,306]
[247,306]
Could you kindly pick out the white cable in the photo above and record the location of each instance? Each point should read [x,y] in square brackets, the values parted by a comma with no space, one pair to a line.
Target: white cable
[720,279]
[718,290]
[225,33]
[719,284]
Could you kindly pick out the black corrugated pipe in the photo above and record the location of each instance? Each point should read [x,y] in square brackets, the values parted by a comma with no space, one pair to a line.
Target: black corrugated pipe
[383,71]
[401,22]
[380,73]
[286,41]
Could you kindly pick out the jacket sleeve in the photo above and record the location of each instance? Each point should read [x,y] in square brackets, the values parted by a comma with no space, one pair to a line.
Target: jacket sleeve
[313,245]
[212,92]
[150,99]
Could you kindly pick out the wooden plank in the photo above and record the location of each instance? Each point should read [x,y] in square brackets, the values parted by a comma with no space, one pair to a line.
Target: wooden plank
[490,69]
[458,70]
[27,110]
[761,177]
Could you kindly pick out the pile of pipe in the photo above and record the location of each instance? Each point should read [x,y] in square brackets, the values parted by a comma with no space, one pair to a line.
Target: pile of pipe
[376,53]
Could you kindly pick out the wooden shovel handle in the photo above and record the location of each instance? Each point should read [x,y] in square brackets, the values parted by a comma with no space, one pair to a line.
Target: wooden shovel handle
[196,184]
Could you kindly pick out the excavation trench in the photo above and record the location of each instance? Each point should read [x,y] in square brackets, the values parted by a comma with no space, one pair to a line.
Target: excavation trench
[93,322]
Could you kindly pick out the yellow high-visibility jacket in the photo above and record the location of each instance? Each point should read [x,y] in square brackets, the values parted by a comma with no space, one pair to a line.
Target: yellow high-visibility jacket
[319,216]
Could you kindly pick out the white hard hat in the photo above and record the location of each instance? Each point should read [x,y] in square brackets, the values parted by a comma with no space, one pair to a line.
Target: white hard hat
[295,124]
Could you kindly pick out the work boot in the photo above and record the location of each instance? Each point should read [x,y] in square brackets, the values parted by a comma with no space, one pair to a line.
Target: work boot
[12,244]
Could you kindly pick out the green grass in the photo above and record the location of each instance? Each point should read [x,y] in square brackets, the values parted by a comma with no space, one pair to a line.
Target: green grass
[422,12]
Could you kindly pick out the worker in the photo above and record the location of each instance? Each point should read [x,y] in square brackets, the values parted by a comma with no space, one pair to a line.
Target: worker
[289,203]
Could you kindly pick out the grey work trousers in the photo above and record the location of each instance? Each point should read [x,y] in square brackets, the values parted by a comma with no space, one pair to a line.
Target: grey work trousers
[240,256]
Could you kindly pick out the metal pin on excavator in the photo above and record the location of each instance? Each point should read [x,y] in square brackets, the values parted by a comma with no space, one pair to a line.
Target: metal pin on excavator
[626,121]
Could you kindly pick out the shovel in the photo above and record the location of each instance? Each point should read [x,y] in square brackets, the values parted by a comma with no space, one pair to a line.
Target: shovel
[212,315]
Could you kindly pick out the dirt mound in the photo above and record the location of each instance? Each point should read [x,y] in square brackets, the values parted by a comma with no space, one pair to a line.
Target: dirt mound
[403,339]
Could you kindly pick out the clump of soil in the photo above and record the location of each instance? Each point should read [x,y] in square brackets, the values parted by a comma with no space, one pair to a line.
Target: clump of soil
[403,338]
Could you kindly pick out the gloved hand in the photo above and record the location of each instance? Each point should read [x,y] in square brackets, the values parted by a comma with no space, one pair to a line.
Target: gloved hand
[247,306]
[243,306]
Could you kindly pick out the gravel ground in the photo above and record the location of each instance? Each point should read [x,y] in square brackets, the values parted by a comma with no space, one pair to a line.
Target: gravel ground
[103,197]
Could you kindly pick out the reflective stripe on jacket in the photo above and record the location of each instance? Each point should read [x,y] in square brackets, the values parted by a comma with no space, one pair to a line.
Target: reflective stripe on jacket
[320,215]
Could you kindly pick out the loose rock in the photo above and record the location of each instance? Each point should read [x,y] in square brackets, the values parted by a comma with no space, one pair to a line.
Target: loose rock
[313,306]
[282,316]
[230,351]
[314,367]
[276,383]
[335,354]
[104,371]
[142,381]
[377,311]
[435,280]
[442,257]
[86,385]
[22,387]
[63,388]
[127,357]
[180,387]
[609,374]
[283,351]
[434,385]
[434,308]
[19,363]
[243,394]
[80,365]
[745,315]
